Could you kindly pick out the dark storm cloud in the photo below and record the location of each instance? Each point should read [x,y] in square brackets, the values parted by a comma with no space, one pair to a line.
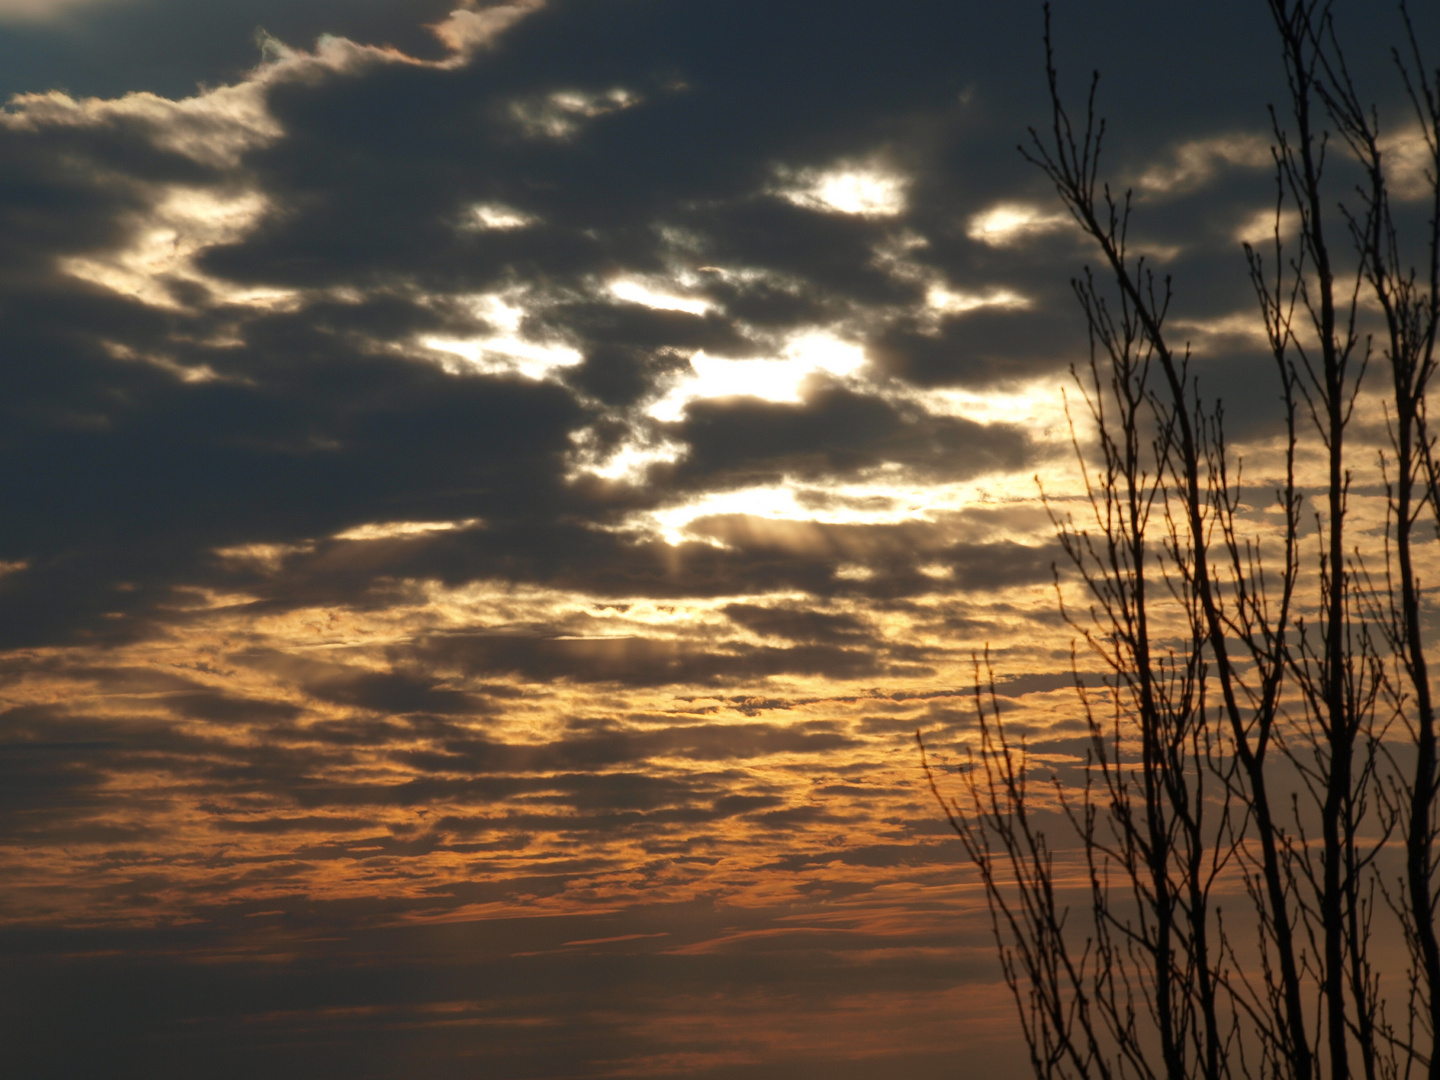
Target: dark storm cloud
[222,708]
[61,766]
[160,472]
[465,754]
[835,432]
[306,430]
[982,345]
[314,424]
[393,692]
[758,555]
[406,998]
[638,661]
[797,623]
[831,253]
[141,738]
[893,554]
[49,784]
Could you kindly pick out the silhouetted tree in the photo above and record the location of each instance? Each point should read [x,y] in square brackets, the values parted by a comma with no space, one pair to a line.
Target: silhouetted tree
[1264,743]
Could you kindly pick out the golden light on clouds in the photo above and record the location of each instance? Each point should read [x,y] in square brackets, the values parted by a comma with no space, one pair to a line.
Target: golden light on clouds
[386,530]
[490,505]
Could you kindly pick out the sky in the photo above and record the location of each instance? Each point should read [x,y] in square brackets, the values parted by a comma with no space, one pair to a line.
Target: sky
[490,494]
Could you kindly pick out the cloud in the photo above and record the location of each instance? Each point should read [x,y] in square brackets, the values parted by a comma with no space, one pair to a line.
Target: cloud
[641,661]
[1195,163]
[43,10]
[864,189]
[834,432]
[222,276]
[797,623]
[1011,223]
[469,28]
[492,490]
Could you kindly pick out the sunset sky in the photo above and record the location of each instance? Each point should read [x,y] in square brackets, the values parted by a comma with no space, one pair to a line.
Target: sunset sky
[490,494]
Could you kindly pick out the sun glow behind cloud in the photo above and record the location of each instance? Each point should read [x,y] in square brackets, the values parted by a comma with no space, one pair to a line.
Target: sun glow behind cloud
[507,350]
[888,495]
[640,292]
[777,378]
[1038,405]
[629,461]
[497,216]
[1010,223]
[945,301]
[886,499]
[865,190]
[781,378]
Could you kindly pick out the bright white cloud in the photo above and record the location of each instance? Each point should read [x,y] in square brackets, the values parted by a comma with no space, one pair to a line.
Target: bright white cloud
[778,378]
[628,462]
[778,502]
[497,216]
[944,301]
[1037,406]
[1012,223]
[506,351]
[867,190]
[641,292]
[217,126]
[883,496]
[896,256]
